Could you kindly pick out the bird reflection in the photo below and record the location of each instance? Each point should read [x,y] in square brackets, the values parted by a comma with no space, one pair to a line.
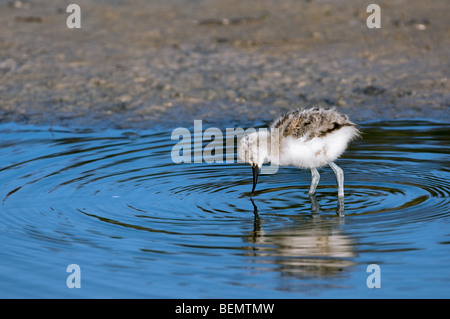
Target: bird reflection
[255,208]
[315,206]
[307,248]
[256,223]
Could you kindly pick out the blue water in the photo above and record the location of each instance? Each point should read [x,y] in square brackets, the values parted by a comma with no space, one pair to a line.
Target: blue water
[138,225]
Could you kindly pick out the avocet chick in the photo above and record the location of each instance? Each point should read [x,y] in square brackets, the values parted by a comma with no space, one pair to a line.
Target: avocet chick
[307,138]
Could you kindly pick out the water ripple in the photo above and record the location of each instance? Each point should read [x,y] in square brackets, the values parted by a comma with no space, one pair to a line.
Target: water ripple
[117,196]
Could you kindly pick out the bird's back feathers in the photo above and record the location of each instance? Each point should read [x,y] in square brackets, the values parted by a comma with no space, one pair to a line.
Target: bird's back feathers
[310,123]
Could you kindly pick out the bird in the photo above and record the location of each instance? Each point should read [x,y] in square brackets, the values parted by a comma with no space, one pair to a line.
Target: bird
[304,138]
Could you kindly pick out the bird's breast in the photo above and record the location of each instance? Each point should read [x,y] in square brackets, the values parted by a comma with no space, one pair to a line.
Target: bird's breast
[316,152]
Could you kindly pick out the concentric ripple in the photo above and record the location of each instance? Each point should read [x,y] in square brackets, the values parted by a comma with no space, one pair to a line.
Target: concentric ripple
[115,203]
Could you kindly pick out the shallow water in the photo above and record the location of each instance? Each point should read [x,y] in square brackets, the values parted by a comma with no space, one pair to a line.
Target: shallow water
[139,225]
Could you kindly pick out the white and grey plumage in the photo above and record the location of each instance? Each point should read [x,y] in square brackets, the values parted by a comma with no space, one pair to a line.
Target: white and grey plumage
[306,138]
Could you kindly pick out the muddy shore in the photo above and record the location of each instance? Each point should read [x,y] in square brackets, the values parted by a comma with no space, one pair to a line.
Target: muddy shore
[150,64]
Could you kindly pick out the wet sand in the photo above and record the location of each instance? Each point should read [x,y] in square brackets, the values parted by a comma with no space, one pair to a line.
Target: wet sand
[139,64]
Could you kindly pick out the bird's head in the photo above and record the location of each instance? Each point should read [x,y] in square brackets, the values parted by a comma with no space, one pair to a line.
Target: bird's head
[254,149]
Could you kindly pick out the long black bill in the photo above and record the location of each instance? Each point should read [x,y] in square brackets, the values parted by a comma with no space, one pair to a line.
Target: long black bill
[255,169]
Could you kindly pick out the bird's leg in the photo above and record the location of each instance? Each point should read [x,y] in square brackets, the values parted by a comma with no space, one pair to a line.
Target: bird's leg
[339,177]
[315,177]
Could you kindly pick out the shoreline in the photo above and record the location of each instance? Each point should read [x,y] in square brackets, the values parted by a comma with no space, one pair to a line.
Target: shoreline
[166,63]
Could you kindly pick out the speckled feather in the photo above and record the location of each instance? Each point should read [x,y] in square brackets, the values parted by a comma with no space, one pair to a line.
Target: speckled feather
[310,123]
